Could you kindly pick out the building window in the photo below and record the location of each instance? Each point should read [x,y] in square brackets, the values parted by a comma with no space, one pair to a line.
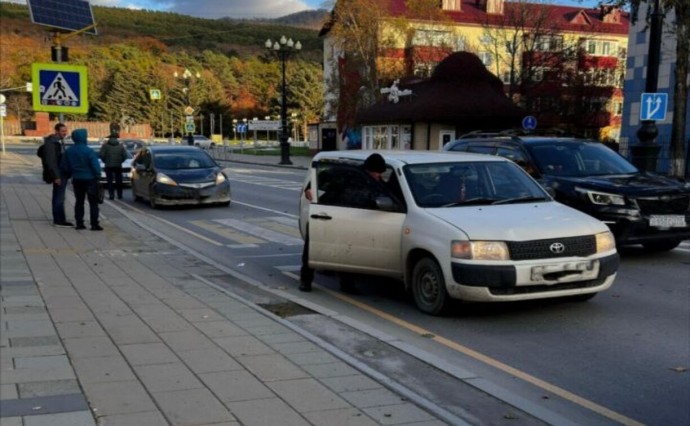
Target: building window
[424,37]
[505,77]
[451,5]
[392,136]
[605,48]
[618,108]
[548,43]
[538,74]
[486,57]
[423,69]
[602,48]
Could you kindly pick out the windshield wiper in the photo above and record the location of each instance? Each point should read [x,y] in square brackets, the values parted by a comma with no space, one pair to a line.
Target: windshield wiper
[523,199]
[471,202]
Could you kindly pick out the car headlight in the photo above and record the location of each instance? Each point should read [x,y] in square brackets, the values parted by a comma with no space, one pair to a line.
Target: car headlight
[220,178]
[602,198]
[605,242]
[165,180]
[479,250]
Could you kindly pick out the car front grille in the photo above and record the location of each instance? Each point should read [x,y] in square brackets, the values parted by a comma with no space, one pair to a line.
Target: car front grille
[665,204]
[544,249]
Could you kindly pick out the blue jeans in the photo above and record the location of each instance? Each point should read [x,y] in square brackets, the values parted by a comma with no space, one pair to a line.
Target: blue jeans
[59,201]
[86,189]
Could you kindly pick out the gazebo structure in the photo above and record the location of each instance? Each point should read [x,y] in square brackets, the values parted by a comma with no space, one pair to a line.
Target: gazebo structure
[461,96]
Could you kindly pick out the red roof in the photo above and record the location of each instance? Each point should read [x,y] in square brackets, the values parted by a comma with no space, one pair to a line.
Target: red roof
[563,18]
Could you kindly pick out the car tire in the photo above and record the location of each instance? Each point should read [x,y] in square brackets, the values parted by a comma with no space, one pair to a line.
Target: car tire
[429,287]
[152,199]
[658,246]
[224,204]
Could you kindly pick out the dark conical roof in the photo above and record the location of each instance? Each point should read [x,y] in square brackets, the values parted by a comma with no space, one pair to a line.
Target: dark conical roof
[461,90]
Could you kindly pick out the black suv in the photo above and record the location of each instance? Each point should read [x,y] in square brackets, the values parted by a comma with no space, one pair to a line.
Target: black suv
[640,208]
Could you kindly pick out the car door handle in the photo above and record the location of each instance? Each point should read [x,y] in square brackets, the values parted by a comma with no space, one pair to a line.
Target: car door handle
[321,216]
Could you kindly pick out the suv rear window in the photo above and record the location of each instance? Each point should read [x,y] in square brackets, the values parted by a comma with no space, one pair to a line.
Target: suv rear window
[578,159]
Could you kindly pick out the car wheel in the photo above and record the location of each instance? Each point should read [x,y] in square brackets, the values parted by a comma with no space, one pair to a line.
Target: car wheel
[224,204]
[658,246]
[429,287]
[152,199]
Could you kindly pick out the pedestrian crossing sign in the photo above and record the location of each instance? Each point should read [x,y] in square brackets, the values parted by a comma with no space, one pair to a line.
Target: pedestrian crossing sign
[61,88]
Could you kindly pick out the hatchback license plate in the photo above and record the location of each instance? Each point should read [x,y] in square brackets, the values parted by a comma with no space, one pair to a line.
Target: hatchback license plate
[668,221]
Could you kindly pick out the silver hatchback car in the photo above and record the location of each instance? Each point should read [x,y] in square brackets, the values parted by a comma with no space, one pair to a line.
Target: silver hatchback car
[462,226]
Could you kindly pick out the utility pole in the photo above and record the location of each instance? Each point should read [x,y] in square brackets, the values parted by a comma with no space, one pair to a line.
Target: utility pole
[645,154]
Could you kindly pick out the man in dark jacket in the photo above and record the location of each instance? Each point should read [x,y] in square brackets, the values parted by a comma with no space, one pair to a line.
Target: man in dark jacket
[113,155]
[81,162]
[52,155]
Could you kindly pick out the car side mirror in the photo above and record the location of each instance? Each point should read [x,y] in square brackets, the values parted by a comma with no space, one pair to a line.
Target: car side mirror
[386,203]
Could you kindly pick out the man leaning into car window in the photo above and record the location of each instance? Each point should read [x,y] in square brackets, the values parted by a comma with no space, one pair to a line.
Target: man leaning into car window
[353,194]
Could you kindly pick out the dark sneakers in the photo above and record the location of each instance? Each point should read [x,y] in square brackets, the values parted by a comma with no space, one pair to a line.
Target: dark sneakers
[304,286]
[63,224]
[80,226]
[96,228]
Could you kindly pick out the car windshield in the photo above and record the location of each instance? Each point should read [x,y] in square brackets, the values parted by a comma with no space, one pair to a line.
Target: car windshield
[183,160]
[578,159]
[471,183]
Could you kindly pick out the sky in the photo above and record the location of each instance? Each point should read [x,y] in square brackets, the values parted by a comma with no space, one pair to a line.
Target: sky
[241,9]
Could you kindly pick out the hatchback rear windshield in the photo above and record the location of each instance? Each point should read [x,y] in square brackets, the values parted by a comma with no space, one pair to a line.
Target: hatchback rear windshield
[186,160]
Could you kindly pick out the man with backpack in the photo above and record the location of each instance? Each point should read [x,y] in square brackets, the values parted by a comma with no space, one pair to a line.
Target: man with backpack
[53,149]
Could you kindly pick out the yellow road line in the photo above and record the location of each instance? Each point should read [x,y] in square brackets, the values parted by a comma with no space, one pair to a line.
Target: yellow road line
[599,409]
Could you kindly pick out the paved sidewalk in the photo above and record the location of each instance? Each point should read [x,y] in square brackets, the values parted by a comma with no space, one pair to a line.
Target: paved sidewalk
[116,328]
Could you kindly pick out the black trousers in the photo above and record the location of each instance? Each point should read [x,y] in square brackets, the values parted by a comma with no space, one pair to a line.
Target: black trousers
[86,189]
[114,173]
[306,274]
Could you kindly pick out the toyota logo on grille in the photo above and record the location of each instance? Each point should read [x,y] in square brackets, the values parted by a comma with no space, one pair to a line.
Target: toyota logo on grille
[557,248]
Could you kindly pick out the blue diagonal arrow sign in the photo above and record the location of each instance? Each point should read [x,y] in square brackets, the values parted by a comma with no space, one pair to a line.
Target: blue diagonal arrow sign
[653,106]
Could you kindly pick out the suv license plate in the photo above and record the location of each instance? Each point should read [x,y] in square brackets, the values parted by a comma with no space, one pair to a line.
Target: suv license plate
[668,221]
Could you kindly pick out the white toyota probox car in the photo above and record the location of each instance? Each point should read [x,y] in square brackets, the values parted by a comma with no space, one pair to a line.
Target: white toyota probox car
[464,226]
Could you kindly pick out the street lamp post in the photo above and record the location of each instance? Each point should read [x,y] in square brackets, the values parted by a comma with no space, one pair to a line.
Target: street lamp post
[283,49]
[645,154]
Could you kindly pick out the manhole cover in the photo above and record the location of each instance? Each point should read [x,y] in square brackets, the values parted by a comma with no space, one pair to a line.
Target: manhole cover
[286,309]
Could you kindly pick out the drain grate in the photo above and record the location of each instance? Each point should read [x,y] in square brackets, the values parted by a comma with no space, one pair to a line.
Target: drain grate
[286,309]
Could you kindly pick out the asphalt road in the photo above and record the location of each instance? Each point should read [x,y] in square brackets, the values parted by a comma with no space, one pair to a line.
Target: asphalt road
[622,357]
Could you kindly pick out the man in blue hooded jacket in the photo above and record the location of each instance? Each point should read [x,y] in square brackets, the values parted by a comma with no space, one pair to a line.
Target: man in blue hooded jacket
[81,162]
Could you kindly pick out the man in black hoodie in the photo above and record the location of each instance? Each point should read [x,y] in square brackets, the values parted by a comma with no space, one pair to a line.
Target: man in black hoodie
[113,154]
[52,155]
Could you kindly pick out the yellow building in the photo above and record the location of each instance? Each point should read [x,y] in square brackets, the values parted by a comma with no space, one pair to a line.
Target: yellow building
[564,65]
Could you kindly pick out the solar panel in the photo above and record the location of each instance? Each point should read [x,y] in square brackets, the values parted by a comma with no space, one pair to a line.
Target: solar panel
[70,15]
